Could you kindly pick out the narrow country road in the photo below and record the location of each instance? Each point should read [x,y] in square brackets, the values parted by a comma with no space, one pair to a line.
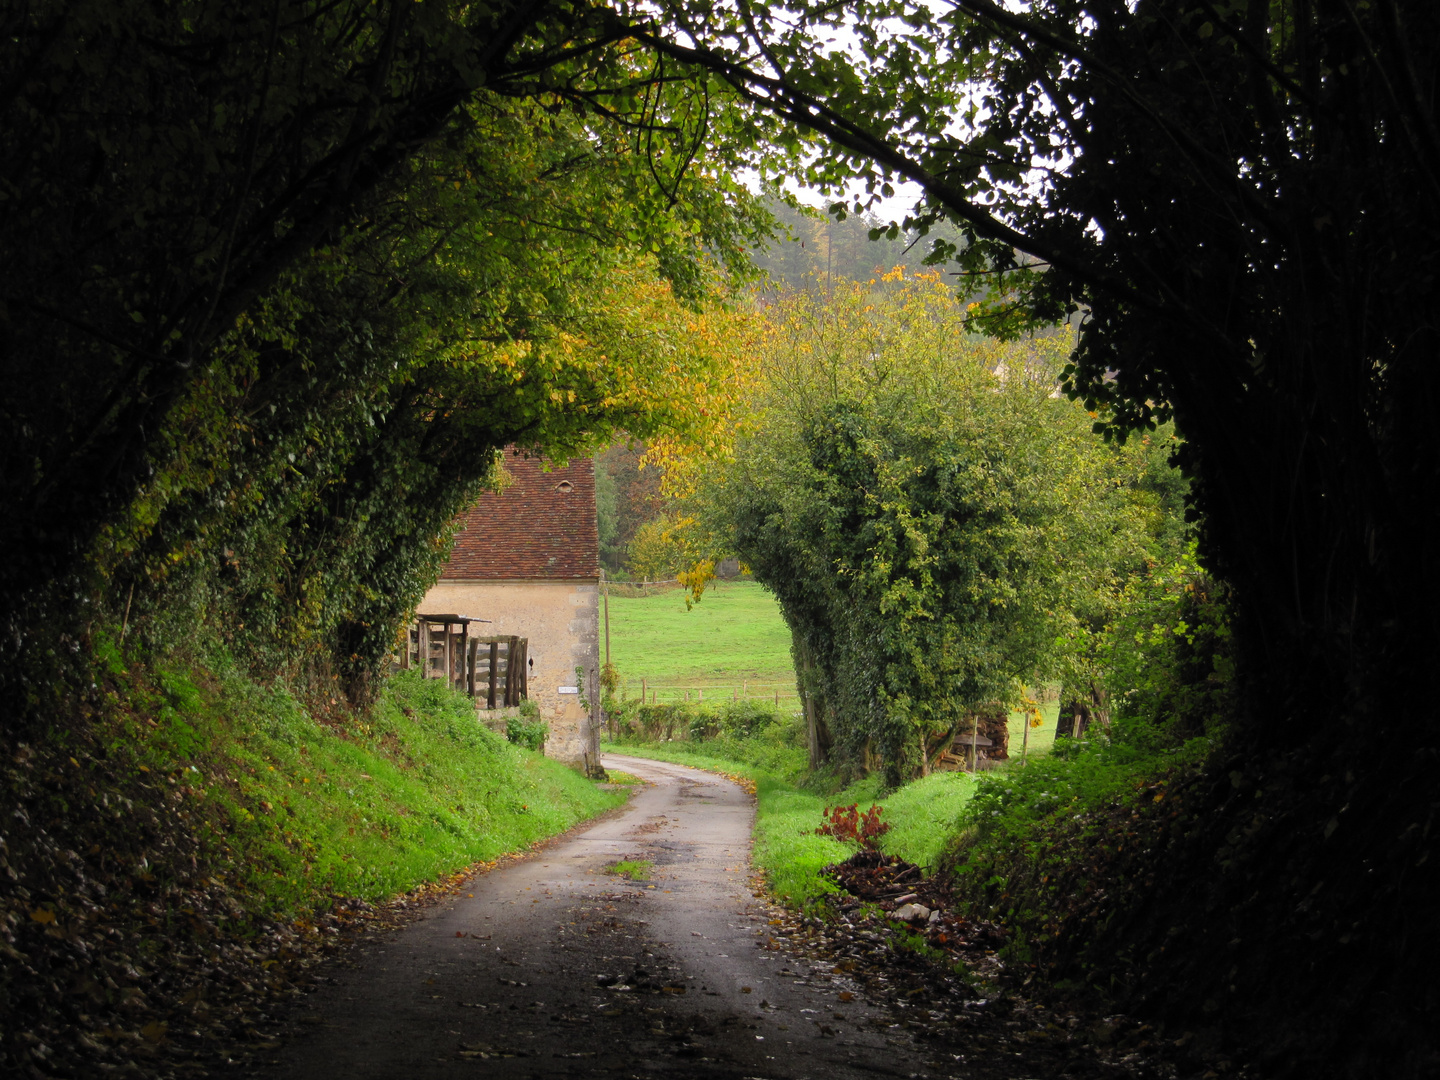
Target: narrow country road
[555,968]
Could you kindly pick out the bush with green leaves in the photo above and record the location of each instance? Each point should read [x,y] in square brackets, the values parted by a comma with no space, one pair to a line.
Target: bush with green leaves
[1169,656]
[695,721]
[754,731]
[527,729]
[743,719]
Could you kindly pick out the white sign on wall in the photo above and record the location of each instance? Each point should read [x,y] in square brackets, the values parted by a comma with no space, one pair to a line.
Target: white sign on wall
[568,689]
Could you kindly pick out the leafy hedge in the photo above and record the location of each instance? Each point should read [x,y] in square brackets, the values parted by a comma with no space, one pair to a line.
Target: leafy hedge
[768,738]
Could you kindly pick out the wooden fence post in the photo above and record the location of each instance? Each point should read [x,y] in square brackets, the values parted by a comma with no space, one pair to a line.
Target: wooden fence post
[494,671]
[467,676]
[605,599]
[511,673]
[593,768]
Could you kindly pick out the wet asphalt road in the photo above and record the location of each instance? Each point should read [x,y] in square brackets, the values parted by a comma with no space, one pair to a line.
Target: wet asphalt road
[555,968]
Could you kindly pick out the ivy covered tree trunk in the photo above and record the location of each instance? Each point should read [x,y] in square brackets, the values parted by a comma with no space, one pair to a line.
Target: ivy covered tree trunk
[812,700]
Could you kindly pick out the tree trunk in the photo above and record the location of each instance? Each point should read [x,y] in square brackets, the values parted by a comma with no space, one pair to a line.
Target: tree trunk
[1075,715]
[812,702]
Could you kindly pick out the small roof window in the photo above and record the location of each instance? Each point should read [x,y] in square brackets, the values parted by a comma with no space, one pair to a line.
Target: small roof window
[565,487]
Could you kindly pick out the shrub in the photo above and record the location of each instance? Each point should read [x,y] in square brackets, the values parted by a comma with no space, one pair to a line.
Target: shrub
[851,825]
[636,720]
[743,719]
[527,729]
[659,723]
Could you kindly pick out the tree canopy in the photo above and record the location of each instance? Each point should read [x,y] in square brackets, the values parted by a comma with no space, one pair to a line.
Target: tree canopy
[279,278]
[282,278]
[935,521]
[1240,198]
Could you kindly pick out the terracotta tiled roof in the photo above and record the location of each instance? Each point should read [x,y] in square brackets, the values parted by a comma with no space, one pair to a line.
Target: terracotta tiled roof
[541,526]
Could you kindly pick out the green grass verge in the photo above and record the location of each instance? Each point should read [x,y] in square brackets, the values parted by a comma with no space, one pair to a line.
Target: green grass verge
[367,806]
[623,778]
[787,851]
[734,636]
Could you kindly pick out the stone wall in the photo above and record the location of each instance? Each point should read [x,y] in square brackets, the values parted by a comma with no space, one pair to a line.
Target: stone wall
[561,620]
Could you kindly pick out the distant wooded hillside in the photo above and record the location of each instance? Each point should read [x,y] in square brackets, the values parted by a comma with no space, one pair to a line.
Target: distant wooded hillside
[814,247]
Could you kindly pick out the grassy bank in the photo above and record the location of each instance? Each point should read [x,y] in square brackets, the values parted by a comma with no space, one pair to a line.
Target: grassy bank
[357,805]
[187,841]
[922,815]
[1044,849]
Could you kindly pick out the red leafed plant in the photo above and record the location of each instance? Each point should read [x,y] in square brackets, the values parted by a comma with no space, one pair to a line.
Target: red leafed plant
[852,825]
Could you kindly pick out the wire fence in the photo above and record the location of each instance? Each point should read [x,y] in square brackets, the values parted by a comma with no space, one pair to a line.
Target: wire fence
[659,692]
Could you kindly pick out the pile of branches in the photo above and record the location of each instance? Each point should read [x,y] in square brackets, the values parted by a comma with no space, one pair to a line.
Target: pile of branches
[888,880]
[896,886]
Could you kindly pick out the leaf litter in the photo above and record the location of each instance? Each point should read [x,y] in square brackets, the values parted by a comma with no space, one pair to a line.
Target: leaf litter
[946,988]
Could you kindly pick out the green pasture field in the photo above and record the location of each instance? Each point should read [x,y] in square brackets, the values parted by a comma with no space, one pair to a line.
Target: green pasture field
[734,641]
[1041,738]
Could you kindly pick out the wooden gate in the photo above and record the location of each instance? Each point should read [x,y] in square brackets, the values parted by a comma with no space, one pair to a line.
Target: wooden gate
[490,668]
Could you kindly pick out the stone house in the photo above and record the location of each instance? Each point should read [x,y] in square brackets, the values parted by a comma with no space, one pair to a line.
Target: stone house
[528,559]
